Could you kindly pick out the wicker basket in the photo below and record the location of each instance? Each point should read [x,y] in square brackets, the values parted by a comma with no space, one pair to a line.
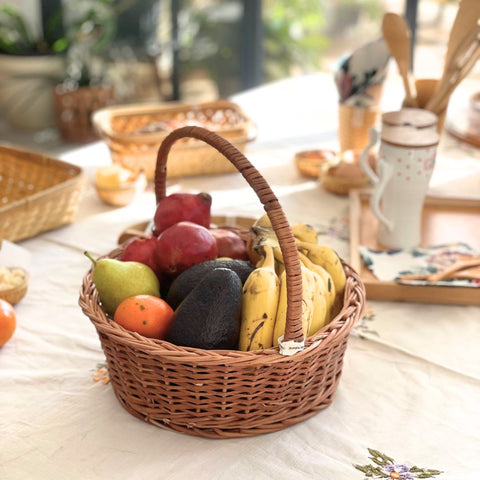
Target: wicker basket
[38,193]
[224,394]
[74,110]
[134,132]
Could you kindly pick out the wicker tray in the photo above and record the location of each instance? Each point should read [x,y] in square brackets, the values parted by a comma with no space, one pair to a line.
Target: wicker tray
[444,220]
[134,132]
[228,393]
[38,193]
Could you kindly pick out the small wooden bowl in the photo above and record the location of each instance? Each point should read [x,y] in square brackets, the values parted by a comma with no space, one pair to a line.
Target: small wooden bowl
[124,194]
[309,162]
[14,294]
[342,177]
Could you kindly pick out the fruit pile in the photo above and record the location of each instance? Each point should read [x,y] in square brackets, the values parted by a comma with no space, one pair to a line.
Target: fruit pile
[200,286]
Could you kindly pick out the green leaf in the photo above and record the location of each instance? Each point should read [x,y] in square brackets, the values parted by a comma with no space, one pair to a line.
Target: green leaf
[60,45]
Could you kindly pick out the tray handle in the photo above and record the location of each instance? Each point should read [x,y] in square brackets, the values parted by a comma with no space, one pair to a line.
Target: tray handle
[293,328]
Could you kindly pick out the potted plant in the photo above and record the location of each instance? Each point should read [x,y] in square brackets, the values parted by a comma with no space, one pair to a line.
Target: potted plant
[75,35]
[85,86]
[29,66]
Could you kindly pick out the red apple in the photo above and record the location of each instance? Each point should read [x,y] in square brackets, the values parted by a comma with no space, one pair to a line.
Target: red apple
[178,207]
[183,245]
[229,244]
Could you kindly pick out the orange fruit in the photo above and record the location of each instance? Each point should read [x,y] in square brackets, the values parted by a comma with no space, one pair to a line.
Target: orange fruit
[145,314]
[8,322]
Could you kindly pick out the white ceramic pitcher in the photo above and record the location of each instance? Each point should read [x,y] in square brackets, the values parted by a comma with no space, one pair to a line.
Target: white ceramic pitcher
[405,162]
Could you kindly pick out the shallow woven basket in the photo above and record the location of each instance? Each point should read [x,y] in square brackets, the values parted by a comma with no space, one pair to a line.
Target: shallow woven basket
[228,393]
[37,192]
[134,133]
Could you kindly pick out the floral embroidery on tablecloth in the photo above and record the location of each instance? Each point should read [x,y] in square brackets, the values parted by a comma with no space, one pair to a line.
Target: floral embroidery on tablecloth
[101,374]
[364,325]
[382,466]
[338,227]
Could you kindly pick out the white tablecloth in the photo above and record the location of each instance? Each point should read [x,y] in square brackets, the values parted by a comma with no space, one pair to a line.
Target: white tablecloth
[410,386]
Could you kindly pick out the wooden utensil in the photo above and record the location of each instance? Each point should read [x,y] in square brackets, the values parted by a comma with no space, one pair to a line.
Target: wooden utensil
[467,17]
[461,264]
[397,35]
[460,63]
[464,268]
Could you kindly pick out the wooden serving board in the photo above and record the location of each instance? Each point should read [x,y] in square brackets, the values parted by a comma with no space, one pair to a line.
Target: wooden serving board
[444,220]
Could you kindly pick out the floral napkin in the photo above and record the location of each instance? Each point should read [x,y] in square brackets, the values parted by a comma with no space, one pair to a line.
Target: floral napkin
[390,265]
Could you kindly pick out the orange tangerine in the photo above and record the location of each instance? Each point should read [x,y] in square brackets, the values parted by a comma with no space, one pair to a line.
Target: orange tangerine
[147,315]
[8,322]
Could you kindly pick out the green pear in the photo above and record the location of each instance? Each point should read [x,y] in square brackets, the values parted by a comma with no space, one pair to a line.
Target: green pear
[116,280]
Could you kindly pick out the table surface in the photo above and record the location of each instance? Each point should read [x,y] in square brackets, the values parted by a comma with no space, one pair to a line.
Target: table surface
[410,386]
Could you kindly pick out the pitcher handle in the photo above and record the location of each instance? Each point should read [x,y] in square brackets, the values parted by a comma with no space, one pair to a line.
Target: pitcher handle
[385,171]
[364,163]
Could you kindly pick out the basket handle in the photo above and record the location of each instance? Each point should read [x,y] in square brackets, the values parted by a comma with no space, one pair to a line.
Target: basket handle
[293,328]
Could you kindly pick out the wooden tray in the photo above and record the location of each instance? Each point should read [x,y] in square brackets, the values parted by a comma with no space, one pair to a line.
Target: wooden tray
[444,220]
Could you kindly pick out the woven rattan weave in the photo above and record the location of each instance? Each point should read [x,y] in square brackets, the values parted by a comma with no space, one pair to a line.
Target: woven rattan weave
[37,193]
[223,394]
[134,133]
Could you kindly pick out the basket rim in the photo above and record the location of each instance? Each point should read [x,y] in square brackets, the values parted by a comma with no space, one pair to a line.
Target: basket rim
[341,324]
[79,179]
[102,117]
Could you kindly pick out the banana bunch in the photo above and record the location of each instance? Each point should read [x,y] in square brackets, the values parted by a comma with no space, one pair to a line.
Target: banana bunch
[325,257]
[259,304]
[264,304]
[314,305]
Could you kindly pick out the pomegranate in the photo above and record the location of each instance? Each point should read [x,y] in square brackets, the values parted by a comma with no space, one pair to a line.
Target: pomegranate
[179,207]
[229,244]
[142,250]
[182,245]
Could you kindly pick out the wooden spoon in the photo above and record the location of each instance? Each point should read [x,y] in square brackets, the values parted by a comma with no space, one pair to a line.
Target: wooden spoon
[468,15]
[397,36]
[461,61]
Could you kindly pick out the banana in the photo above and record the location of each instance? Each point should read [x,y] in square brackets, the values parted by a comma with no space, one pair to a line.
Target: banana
[259,305]
[308,304]
[263,221]
[327,258]
[320,310]
[260,232]
[304,232]
[328,287]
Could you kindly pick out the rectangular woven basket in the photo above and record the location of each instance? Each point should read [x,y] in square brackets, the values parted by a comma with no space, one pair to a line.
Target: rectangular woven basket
[228,393]
[133,134]
[37,192]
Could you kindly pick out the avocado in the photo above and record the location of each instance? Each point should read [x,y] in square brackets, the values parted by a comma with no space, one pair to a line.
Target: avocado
[209,316]
[189,279]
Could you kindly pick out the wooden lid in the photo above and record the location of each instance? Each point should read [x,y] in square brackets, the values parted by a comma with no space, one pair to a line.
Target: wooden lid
[414,117]
[410,136]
